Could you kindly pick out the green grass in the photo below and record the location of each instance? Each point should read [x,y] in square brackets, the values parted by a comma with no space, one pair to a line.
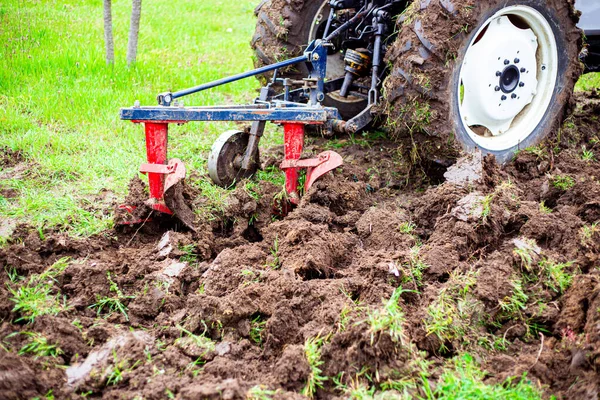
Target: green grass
[388,319]
[312,351]
[114,303]
[38,346]
[588,82]
[59,102]
[464,380]
[37,296]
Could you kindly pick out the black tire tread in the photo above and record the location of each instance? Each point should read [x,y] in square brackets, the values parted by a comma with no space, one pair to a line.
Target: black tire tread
[422,59]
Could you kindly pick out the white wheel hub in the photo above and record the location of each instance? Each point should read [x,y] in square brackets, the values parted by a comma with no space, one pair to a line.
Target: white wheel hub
[508,77]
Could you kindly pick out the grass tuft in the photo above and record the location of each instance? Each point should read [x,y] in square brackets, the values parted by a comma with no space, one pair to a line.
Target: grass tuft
[312,351]
[114,303]
[38,346]
[37,296]
[464,380]
[389,319]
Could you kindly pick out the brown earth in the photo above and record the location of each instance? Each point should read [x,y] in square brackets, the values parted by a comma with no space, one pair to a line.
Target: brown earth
[259,285]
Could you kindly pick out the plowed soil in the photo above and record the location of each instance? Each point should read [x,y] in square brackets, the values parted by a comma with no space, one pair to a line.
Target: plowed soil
[259,285]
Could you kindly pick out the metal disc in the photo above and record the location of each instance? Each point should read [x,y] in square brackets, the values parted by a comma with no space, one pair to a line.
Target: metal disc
[225,159]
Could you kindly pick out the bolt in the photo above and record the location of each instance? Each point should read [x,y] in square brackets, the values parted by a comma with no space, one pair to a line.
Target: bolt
[517,60]
[523,70]
[498,73]
[497,88]
[316,57]
[506,62]
[543,67]
[521,84]
[513,96]
[503,97]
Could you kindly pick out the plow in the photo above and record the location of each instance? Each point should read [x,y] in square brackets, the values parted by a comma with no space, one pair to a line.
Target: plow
[369,60]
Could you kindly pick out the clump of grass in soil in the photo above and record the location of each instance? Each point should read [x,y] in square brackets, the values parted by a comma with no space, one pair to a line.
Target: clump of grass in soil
[556,275]
[389,319]
[115,373]
[456,314]
[115,303]
[201,341]
[37,345]
[312,351]
[260,392]
[562,182]
[464,380]
[257,326]
[38,296]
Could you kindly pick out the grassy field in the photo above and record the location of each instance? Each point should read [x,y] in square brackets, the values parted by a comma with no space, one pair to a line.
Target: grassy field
[59,101]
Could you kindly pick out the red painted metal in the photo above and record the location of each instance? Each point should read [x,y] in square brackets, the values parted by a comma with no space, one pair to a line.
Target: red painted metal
[293,137]
[329,160]
[316,167]
[156,169]
[156,151]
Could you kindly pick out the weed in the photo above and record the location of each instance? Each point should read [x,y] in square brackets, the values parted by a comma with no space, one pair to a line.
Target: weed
[464,380]
[115,372]
[252,189]
[312,351]
[486,206]
[190,255]
[407,228]
[555,276]
[201,341]
[563,182]
[12,274]
[390,318]
[260,392]
[271,174]
[539,151]
[215,200]
[275,263]
[526,252]
[587,233]
[201,289]
[257,326]
[114,303]
[587,155]
[544,209]
[35,297]
[38,346]
[512,305]
[454,315]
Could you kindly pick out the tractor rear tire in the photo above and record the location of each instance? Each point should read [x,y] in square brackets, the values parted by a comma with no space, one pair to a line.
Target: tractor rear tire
[424,92]
[283,30]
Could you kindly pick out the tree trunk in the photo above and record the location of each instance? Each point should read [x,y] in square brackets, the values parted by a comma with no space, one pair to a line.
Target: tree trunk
[108,33]
[134,28]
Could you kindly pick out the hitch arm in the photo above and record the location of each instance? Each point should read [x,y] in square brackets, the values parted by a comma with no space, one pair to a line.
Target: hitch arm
[165,99]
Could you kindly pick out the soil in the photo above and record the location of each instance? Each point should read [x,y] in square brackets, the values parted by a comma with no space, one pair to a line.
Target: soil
[319,272]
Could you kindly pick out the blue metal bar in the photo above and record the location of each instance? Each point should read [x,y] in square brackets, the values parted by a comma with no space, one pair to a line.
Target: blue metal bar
[251,113]
[238,77]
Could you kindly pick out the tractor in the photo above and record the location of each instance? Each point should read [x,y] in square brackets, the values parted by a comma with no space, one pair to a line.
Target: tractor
[458,75]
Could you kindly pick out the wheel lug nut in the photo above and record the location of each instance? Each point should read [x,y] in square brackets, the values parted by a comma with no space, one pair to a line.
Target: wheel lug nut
[521,84]
[506,62]
[523,70]
[503,97]
[513,96]
[517,60]
[497,88]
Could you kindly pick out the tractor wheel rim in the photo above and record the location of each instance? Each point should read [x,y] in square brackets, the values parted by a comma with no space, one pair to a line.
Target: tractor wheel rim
[507,78]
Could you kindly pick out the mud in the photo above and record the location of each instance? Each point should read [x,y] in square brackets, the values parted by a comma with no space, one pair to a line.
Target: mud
[212,313]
